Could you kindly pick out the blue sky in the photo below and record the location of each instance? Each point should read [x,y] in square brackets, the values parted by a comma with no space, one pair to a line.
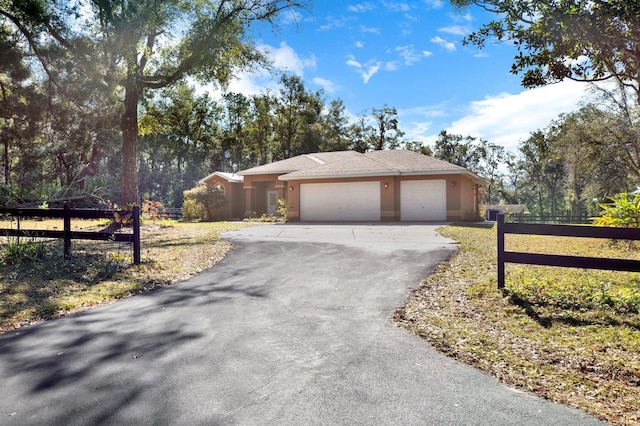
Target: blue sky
[409,55]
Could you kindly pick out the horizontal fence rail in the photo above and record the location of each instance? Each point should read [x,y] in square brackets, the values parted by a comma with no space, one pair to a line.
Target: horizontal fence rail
[67,234]
[550,219]
[627,265]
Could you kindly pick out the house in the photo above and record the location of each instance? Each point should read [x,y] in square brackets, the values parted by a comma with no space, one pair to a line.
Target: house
[392,185]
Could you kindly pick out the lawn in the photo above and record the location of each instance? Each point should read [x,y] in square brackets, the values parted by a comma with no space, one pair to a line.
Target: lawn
[569,335]
[36,283]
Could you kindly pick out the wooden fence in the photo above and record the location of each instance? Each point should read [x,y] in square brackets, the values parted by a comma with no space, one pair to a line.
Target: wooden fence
[559,260]
[67,234]
[551,219]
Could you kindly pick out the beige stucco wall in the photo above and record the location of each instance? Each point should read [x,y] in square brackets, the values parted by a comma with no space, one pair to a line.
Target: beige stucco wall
[461,199]
[255,192]
[234,200]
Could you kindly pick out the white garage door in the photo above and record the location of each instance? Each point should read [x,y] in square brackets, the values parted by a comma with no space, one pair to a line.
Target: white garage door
[423,200]
[357,201]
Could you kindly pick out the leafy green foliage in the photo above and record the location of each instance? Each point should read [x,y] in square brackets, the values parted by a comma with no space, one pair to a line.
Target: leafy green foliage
[192,210]
[202,202]
[579,40]
[16,251]
[623,211]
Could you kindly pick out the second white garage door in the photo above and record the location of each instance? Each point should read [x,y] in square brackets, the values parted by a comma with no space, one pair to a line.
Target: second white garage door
[423,200]
[344,201]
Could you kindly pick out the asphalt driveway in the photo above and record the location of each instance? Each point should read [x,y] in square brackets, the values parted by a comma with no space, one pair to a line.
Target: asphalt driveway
[292,328]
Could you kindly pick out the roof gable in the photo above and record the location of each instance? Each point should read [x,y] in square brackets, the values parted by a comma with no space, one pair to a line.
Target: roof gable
[229,177]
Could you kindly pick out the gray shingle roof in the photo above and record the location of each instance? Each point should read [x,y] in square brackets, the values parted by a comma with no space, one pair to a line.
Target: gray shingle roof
[299,162]
[343,164]
[380,163]
[410,161]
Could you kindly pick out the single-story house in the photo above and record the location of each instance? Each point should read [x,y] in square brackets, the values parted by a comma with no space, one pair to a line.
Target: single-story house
[392,185]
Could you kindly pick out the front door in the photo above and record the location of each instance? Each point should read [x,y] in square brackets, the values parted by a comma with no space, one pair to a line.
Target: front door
[272,202]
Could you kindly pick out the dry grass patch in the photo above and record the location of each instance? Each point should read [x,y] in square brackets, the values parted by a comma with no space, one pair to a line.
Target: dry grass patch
[572,336]
[42,285]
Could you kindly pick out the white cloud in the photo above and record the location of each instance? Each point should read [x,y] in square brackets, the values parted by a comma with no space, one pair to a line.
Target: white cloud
[411,55]
[391,66]
[361,7]
[284,58]
[450,46]
[434,4]
[333,23]
[367,70]
[287,59]
[369,30]
[457,30]
[508,119]
[290,16]
[327,85]
[397,7]
[359,44]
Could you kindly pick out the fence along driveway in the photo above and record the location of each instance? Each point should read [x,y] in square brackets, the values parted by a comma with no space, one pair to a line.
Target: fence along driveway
[67,234]
[628,265]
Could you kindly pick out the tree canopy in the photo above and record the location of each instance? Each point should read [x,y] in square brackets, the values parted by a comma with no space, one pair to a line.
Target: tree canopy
[584,40]
[133,46]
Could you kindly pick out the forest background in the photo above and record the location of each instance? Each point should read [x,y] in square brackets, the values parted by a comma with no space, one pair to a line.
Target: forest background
[66,93]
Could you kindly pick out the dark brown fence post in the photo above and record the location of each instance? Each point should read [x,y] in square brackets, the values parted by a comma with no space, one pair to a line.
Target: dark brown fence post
[500,218]
[136,235]
[67,231]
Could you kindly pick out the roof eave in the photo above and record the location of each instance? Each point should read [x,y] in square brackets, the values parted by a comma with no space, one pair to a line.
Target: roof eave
[337,176]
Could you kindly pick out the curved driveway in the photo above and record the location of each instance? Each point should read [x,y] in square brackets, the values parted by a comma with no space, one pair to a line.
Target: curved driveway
[292,328]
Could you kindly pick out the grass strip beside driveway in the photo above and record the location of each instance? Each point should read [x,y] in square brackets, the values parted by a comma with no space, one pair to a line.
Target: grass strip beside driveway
[45,286]
[572,336]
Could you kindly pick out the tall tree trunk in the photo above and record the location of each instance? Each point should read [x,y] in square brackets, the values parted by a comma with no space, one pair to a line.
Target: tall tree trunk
[5,157]
[129,127]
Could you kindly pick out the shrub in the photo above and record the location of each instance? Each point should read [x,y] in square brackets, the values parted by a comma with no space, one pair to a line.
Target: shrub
[623,211]
[192,211]
[208,197]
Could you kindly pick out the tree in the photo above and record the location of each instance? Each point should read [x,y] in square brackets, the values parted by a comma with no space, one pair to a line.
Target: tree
[492,156]
[142,45]
[334,127]
[360,134]
[418,147]
[581,40]
[261,126]
[510,191]
[235,130]
[180,139]
[460,150]
[290,105]
[387,133]
[544,168]
[20,103]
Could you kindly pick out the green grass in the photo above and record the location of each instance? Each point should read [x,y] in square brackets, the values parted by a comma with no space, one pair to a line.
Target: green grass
[569,335]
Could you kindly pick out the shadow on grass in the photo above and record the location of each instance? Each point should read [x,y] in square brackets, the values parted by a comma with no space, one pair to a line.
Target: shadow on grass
[184,242]
[476,225]
[569,318]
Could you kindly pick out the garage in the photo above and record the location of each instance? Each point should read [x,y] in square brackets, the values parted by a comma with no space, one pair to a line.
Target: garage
[340,201]
[423,200]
